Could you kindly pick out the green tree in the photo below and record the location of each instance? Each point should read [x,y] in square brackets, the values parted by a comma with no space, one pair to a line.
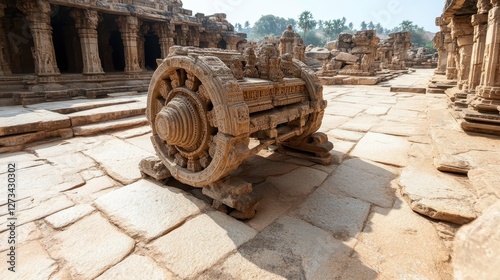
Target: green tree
[364,26]
[306,22]
[334,27]
[320,25]
[351,26]
[238,27]
[379,28]
[418,35]
[371,26]
[247,24]
[270,25]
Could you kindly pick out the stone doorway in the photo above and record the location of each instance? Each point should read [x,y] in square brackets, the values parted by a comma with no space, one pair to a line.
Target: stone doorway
[111,48]
[152,50]
[222,44]
[66,41]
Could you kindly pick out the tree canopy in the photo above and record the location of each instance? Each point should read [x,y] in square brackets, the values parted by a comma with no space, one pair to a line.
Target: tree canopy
[320,31]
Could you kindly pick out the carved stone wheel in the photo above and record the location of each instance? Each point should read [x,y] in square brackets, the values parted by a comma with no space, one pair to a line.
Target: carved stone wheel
[198,117]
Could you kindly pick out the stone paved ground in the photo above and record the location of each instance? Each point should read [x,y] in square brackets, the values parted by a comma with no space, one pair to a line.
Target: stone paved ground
[86,212]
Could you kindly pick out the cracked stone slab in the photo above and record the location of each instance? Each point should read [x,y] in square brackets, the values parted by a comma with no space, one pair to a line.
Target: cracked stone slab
[69,216]
[477,247]
[147,210]
[460,152]
[383,148]
[288,249]
[33,262]
[136,267]
[397,244]
[437,195]
[41,182]
[119,159]
[25,233]
[363,179]
[90,246]
[256,169]
[200,243]
[299,182]
[486,182]
[38,210]
[343,216]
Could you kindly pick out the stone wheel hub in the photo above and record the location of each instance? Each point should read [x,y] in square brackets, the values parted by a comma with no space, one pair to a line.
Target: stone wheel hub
[179,122]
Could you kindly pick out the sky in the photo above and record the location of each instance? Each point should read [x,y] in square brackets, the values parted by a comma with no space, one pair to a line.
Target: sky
[389,13]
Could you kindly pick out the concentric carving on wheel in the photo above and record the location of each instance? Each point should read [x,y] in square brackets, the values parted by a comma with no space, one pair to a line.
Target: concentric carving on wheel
[184,104]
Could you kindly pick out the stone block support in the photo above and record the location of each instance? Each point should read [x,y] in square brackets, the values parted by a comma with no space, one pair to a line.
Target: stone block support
[38,15]
[129,28]
[86,22]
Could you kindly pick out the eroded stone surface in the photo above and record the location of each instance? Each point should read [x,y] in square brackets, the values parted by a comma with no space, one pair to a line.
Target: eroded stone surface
[90,246]
[137,267]
[35,263]
[343,216]
[437,195]
[119,159]
[298,182]
[40,209]
[68,216]
[147,210]
[477,246]
[293,249]
[383,148]
[397,244]
[24,233]
[200,243]
[364,180]
[485,180]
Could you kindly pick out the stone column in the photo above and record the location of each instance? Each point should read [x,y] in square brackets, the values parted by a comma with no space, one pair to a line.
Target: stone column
[143,30]
[160,28]
[183,35]
[129,28]
[4,64]
[440,46]
[38,14]
[451,48]
[488,92]
[195,36]
[480,23]
[86,22]
[463,32]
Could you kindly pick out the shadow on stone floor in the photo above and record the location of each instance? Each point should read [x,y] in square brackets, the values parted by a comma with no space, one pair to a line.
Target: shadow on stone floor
[306,227]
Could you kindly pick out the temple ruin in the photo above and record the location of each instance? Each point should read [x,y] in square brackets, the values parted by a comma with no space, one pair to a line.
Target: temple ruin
[469,42]
[58,49]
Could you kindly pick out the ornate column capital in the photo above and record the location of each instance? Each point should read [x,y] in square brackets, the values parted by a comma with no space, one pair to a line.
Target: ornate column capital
[85,19]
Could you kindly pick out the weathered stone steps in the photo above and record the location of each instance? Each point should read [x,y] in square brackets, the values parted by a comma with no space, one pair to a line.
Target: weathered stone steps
[64,119]
[92,129]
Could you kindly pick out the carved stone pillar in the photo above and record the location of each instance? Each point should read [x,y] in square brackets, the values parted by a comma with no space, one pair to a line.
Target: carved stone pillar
[4,63]
[86,22]
[38,15]
[451,48]
[143,30]
[488,92]
[463,32]
[160,28]
[480,23]
[195,36]
[440,46]
[183,35]
[129,28]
